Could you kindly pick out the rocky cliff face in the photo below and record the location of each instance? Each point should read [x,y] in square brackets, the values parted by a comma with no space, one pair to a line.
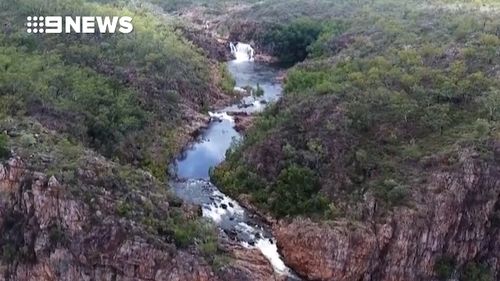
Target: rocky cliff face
[455,214]
[48,234]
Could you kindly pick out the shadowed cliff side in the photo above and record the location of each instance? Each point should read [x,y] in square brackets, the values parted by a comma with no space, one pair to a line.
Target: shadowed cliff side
[48,233]
[381,160]
[455,218]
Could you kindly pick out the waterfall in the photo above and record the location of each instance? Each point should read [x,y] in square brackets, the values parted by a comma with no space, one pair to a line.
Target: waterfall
[230,216]
[192,183]
[242,51]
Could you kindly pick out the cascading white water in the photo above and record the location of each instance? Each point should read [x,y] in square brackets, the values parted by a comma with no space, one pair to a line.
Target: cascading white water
[242,51]
[193,184]
[229,215]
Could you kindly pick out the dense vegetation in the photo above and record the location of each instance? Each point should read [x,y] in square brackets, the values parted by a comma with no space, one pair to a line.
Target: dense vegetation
[4,147]
[372,109]
[114,193]
[472,271]
[68,100]
[292,40]
[386,90]
[122,95]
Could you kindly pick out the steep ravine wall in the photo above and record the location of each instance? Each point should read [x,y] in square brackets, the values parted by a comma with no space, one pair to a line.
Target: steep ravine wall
[455,215]
[58,240]
[47,234]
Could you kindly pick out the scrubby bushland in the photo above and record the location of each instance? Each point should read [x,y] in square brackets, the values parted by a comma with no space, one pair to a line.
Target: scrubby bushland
[387,142]
[124,95]
[291,41]
[295,41]
[445,269]
[286,29]
[105,195]
[38,85]
[94,113]
[370,110]
[4,148]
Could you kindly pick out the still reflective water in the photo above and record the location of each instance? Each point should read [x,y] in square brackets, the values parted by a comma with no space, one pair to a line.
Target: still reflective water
[193,166]
[214,141]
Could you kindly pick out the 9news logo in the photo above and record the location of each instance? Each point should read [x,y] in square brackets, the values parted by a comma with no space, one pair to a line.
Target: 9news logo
[78,24]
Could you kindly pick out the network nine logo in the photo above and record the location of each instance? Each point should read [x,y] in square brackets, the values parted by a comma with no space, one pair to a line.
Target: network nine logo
[78,24]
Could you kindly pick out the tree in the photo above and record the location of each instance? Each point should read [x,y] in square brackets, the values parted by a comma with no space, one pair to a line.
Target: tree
[476,272]
[4,150]
[293,40]
[491,102]
[297,192]
[436,117]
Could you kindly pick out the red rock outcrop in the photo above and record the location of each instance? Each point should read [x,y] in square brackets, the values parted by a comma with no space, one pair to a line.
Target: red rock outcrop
[57,240]
[455,214]
[48,234]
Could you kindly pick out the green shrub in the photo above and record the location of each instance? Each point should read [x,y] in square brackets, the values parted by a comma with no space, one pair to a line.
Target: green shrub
[123,209]
[27,140]
[444,268]
[118,95]
[411,152]
[9,253]
[482,128]
[322,46]
[476,272]
[187,232]
[392,192]
[297,192]
[4,147]
[292,40]
[394,95]
[57,236]
[14,247]
[259,92]
[227,82]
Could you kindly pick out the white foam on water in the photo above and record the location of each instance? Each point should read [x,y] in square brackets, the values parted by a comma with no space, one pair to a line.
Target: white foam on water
[270,251]
[258,105]
[242,51]
[235,208]
[221,115]
[267,246]
[244,227]
[240,90]
[215,211]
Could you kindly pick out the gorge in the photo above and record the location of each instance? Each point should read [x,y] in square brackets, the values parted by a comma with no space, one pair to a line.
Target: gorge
[269,140]
[191,170]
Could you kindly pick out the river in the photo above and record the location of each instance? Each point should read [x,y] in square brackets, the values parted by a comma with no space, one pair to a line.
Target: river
[192,182]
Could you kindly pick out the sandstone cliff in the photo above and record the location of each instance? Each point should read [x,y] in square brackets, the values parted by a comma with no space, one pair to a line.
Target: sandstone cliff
[49,234]
[456,215]
[52,236]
